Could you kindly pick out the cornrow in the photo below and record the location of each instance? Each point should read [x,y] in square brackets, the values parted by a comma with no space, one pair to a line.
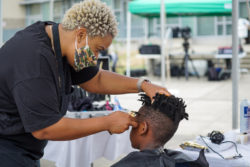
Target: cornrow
[173,107]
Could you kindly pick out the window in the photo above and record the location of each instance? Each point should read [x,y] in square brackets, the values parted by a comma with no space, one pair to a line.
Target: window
[118,10]
[151,27]
[243,10]
[58,11]
[228,29]
[228,25]
[224,25]
[220,27]
[116,4]
[205,26]
[189,22]
[33,13]
[137,26]
[171,22]
[108,2]
[220,30]
[35,9]
[119,7]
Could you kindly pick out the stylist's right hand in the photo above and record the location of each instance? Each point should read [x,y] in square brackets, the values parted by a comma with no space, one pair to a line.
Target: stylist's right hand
[120,122]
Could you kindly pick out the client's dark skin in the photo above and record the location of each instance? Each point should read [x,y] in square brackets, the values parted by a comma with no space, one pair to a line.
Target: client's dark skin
[142,137]
[156,123]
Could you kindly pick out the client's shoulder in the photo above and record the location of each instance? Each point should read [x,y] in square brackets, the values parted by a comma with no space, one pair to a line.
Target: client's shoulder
[129,160]
[138,159]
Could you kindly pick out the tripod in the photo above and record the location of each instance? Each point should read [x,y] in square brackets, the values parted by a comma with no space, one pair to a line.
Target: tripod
[186,58]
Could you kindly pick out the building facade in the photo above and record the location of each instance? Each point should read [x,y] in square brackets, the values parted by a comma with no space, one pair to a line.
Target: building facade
[13,18]
[20,13]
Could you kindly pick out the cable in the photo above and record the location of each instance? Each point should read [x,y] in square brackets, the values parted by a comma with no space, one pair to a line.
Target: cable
[236,148]
[235,145]
[210,147]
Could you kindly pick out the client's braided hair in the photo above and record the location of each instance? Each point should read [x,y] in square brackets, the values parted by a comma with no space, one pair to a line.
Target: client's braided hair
[173,107]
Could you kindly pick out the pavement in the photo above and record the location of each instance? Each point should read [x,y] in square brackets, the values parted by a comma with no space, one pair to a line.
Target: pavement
[209,104]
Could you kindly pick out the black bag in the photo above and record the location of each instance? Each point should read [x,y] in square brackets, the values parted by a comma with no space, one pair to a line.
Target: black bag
[248,38]
[176,71]
[137,72]
[212,74]
[79,100]
[150,49]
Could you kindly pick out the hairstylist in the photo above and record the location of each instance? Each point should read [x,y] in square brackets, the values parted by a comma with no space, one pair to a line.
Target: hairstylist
[39,65]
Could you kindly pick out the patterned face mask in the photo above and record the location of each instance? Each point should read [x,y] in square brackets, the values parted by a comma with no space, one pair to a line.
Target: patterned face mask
[84,57]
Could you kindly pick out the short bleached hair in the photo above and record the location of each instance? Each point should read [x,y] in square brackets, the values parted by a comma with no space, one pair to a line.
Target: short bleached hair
[93,15]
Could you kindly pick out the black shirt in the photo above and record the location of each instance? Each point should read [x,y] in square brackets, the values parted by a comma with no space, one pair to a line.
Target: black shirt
[29,87]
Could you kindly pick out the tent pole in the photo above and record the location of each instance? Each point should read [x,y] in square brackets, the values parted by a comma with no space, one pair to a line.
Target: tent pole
[146,30]
[128,40]
[167,54]
[163,16]
[235,64]
[1,23]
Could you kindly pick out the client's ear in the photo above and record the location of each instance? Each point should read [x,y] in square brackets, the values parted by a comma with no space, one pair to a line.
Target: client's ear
[143,128]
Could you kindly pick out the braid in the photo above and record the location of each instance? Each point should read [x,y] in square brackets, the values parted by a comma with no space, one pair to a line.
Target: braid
[163,115]
[171,106]
[145,100]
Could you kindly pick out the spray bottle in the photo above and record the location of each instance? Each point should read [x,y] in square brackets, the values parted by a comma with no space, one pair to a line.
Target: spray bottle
[117,106]
[244,116]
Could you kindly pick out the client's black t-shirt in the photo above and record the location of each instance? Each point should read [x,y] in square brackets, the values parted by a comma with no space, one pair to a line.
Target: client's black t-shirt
[29,89]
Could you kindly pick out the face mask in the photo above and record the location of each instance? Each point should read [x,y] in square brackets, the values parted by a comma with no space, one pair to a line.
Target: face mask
[84,57]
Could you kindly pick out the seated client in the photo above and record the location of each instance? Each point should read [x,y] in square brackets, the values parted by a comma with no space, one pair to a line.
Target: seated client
[157,123]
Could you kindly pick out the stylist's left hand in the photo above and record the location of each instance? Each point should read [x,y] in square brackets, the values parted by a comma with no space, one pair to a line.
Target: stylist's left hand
[118,122]
[151,89]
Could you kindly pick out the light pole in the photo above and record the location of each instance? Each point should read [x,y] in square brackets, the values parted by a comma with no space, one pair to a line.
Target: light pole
[235,63]
[163,19]
[128,46]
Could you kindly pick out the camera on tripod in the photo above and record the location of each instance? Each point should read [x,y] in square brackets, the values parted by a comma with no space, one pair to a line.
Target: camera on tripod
[185,32]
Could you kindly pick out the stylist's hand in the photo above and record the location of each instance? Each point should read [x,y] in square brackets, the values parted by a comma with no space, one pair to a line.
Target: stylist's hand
[151,89]
[120,122]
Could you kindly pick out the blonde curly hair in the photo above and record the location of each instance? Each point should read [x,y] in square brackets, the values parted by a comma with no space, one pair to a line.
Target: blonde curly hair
[93,15]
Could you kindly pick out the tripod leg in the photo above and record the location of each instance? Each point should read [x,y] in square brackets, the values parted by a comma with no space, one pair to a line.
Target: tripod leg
[196,73]
[186,66]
